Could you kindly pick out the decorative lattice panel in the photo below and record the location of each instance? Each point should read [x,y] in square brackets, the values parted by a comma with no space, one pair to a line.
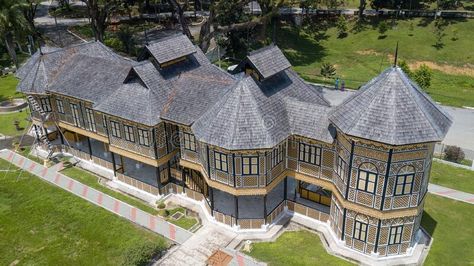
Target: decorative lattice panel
[328,158]
[400,202]
[365,198]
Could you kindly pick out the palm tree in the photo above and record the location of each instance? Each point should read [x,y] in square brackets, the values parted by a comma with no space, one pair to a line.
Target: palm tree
[12,25]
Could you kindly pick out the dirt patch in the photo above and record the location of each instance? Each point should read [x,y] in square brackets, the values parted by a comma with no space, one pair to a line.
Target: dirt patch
[466,70]
[368,52]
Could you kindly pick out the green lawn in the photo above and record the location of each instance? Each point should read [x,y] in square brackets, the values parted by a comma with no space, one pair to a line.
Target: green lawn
[7,121]
[362,55]
[185,222]
[41,224]
[8,90]
[450,223]
[452,177]
[91,180]
[295,248]
[8,87]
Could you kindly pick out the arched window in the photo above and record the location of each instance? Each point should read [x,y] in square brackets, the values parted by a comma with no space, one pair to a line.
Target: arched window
[404,182]
[367,177]
[361,225]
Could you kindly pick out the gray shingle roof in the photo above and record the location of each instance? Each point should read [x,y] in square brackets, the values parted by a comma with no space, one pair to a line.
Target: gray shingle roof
[392,109]
[141,98]
[196,85]
[170,48]
[268,61]
[63,71]
[259,115]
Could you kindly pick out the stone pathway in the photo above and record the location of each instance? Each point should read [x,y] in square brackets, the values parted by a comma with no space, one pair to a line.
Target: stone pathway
[52,175]
[199,247]
[451,193]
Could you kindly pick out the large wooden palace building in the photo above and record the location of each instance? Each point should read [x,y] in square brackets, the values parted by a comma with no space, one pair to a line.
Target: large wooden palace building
[251,145]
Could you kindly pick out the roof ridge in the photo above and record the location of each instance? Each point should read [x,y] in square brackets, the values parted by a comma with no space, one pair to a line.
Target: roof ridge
[406,79]
[177,34]
[361,90]
[262,49]
[418,106]
[375,80]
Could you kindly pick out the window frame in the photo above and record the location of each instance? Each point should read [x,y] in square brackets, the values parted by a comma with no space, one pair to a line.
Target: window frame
[75,114]
[45,102]
[115,129]
[341,167]
[277,155]
[219,162]
[367,181]
[60,106]
[404,184]
[396,231]
[307,151]
[90,122]
[104,121]
[250,165]
[357,234]
[129,133]
[189,141]
[143,137]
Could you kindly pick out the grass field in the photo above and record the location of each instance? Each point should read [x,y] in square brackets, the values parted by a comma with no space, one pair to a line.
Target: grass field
[295,248]
[452,244]
[362,55]
[8,87]
[8,90]
[41,224]
[92,180]
[452,177]
[7,123]
[450,223]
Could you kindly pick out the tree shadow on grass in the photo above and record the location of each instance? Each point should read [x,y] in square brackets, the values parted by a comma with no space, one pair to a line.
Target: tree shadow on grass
[428,223]
[299,48]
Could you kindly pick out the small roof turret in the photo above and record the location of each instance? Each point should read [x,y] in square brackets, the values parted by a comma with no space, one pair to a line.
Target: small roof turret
[268,61]
[171,48]
[392,109]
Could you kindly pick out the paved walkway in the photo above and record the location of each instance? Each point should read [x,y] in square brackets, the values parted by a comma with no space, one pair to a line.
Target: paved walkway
[451,193]
[52,175]
[193,249]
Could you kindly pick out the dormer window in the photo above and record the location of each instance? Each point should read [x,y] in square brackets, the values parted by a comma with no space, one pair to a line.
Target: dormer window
[265,63]
[170,50]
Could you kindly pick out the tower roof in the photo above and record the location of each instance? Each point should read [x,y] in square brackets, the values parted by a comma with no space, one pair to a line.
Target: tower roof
[259,115]
[392,109]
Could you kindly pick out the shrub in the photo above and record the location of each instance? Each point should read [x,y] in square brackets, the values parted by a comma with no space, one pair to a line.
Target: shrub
[113,43]
[453,154]
[142,254]
[161,205]
[383,27]
[422,76]
[341,25]
[404,66]
[328,70]
[440,25]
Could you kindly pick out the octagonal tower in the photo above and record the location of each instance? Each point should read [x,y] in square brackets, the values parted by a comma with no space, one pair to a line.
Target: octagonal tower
[386,133]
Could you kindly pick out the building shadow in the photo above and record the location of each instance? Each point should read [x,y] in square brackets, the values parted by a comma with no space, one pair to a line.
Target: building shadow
[428,223]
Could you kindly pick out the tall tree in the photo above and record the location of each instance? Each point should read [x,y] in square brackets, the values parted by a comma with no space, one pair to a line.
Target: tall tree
[214,25]
[179,9]
[362,5]
[12,25]
[99,12]
[29,12]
